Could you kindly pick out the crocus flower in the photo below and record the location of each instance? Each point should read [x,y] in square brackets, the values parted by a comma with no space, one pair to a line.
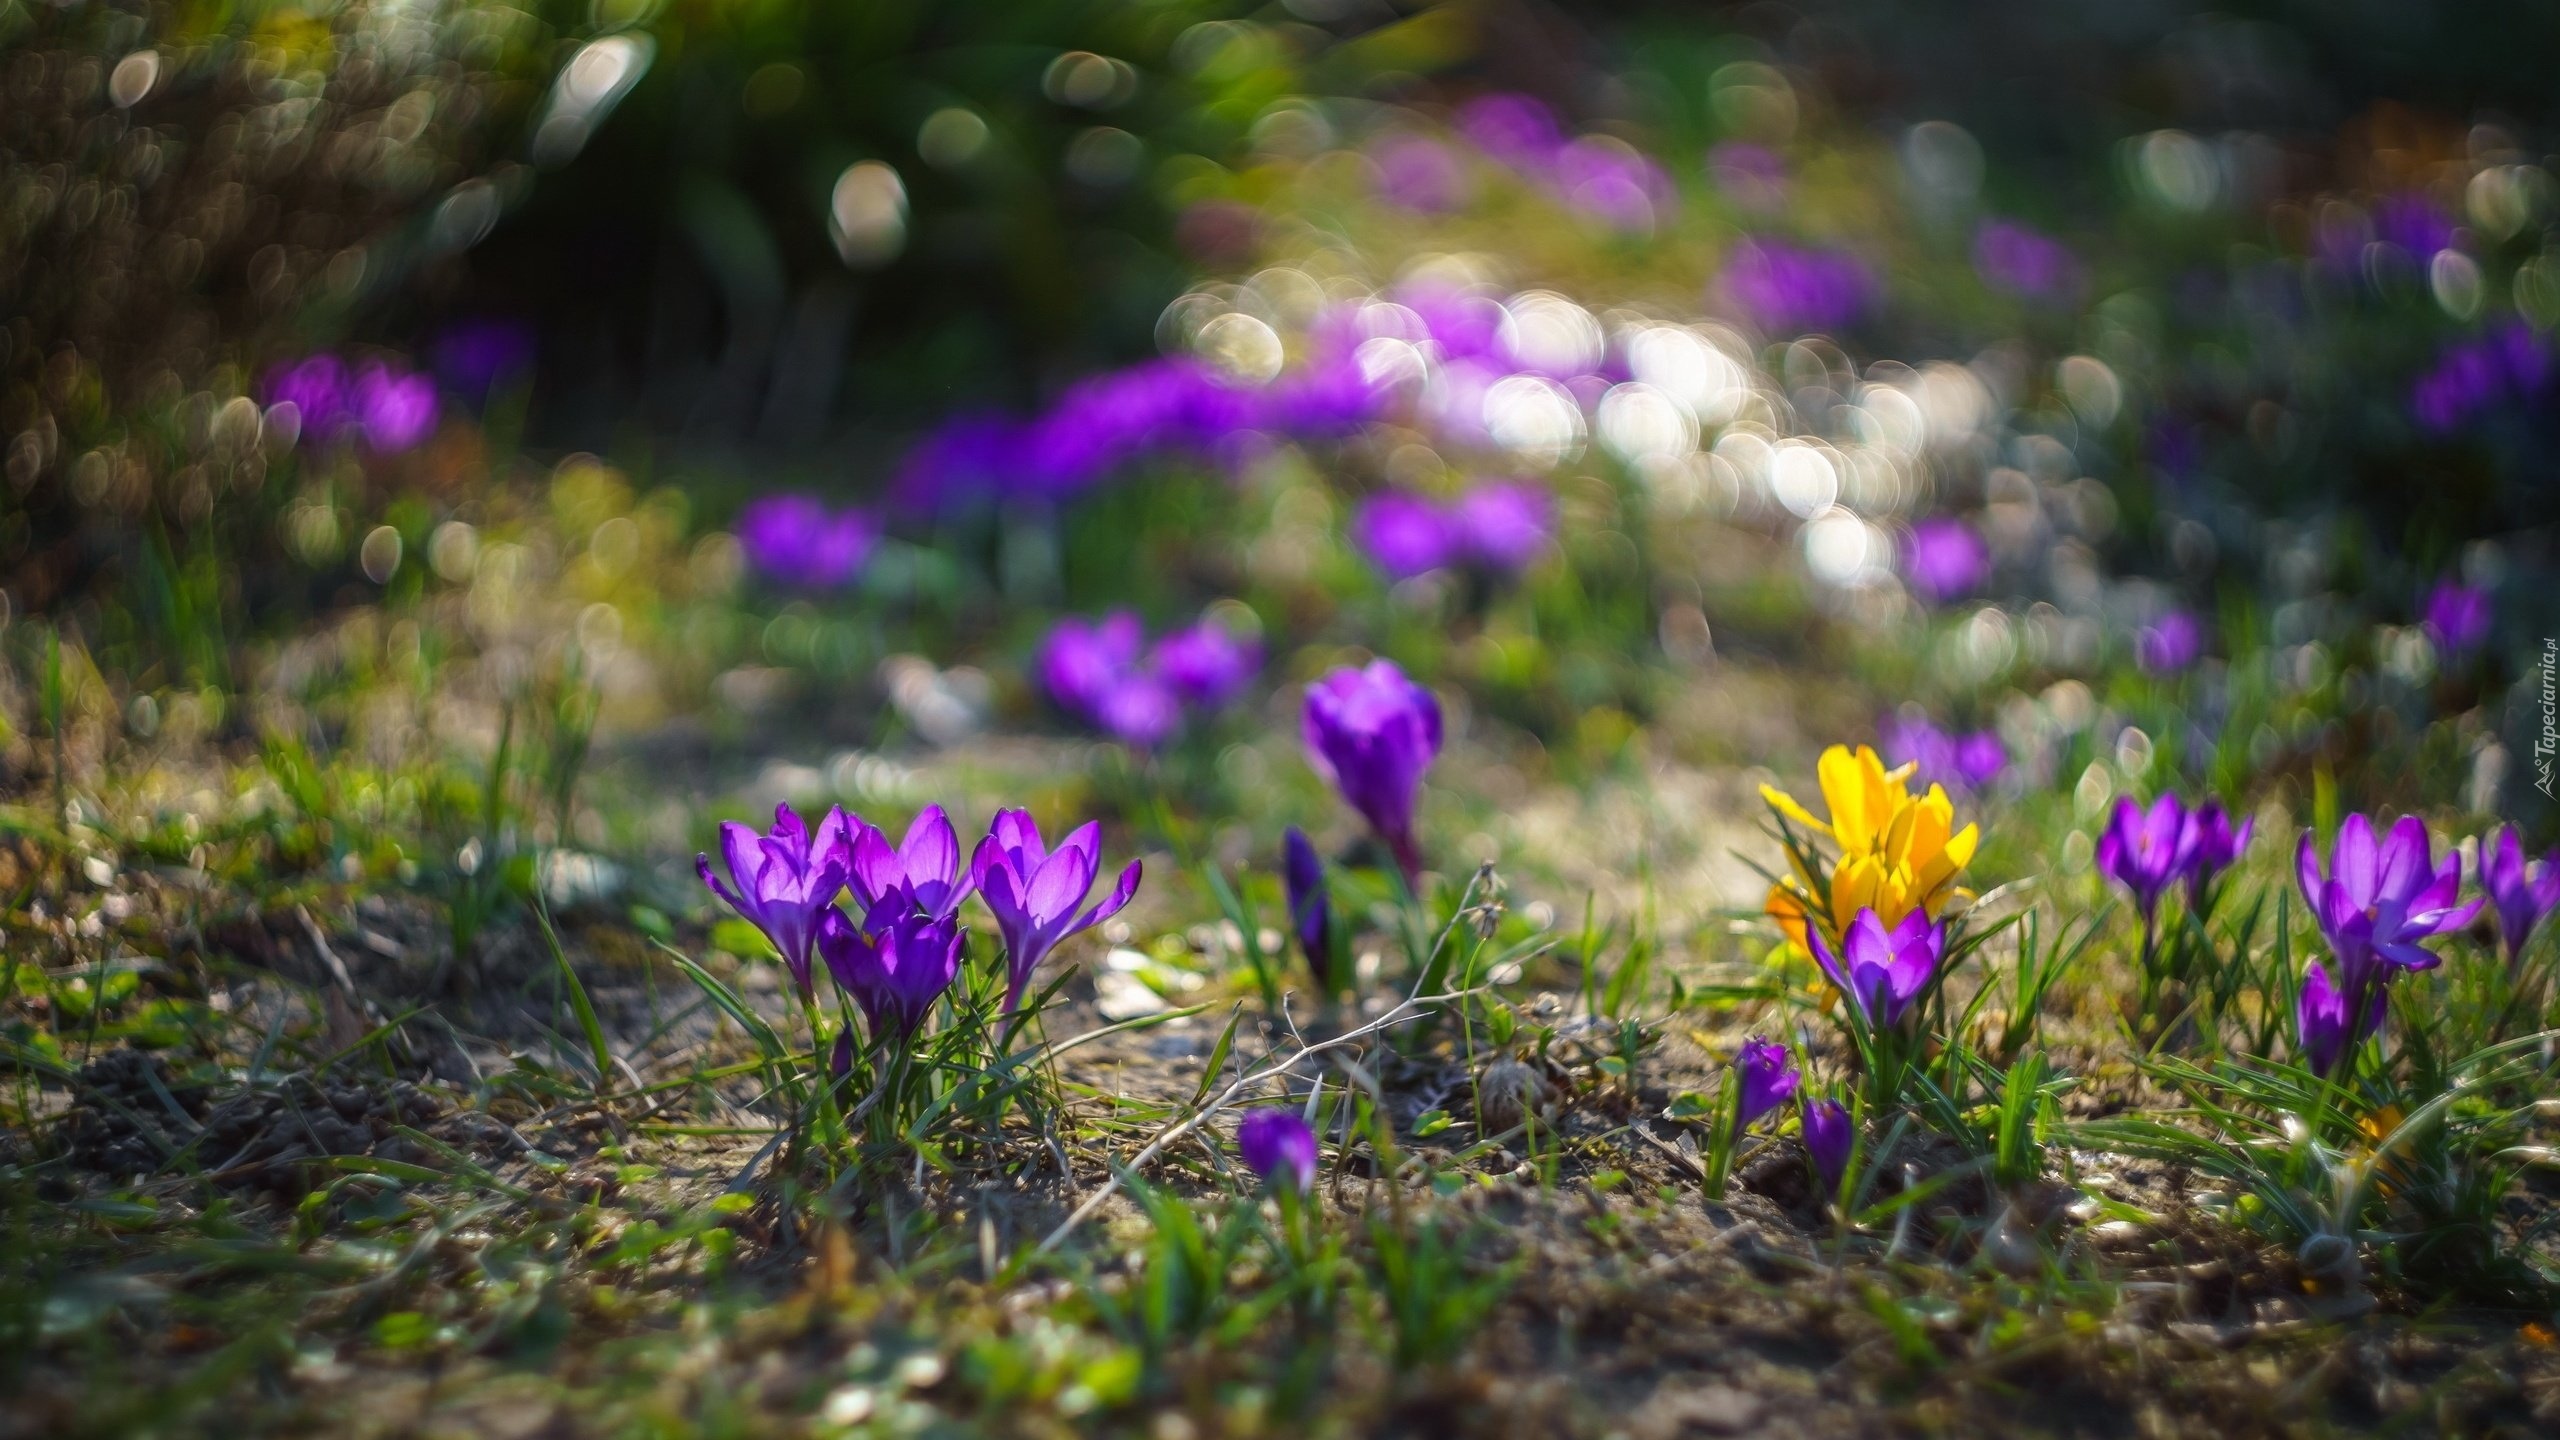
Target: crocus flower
[922,875]
[797,540]
[1899,852]
[1612,182]
[785,880]
[1206,663]
[1279,1146]
[1883,971]
[2413,223]
[1980,758]
[1404,535]
[316,387]
[1311,910]
[1944,559]
[896,971]
[840,1059]
[1418,173]
[2524,893]
[2458,616]
[2145,851]
[1515,129]
[1971,761]
[1371,732]
[1033,891]
[393,409]
[2211,845]
[2025,262]
[1138,709]
[2171,643]
[1082,659]
[2379,900]
[1784,287]
[2327,1024]
[1828,1137]
[475,357]
[1503,525]
[1767,1078]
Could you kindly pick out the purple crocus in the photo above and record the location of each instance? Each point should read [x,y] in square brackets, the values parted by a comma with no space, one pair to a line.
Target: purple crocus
[1404,535]
[1518,130]
[1138,709]
[2523,893]
[921,876]
[2323,1025]
[1967,762]
[797,540]
[2025,262]
[2413,223]
[1419,173]
[1206,663]
[2379,900]
[393,409]
[2211,845]
[1311,910]
[895,971]
[785,880]
[2458,616]
[1828,1138]
[1503,525]
[1882,971]
[1612,182]
[1082,659]
[1371,732]
[1944,559]
[2145,851]
[1033,891]
[2169,644]
[1784,287]
[1279,1146]
[476,357]
[316,387]
[1767,1079]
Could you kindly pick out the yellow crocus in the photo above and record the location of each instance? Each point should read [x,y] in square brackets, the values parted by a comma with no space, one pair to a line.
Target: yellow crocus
[1898,851]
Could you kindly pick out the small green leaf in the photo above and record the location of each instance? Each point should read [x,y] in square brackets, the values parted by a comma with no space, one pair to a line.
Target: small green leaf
[1430,1123]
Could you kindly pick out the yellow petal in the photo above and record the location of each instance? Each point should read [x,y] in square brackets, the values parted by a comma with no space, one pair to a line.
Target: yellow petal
[1785,804]
[1787,908]
[1851,786]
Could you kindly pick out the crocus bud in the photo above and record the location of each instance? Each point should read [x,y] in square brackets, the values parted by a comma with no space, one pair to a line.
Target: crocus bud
[1311,910]
[1372,732]
[1828,1136]
[1278,1146]
[1766,1077]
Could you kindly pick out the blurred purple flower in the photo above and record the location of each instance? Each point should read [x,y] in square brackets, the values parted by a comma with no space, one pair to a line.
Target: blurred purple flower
[1966,762]
[2458,616]
[2025,262]
[1138,709]
[2413,223]
[1753,177]
[1206,663]
[476,357]
[1419,173]
[1944,559]
[1404,535]
[1766,1077]
[1371,732]
[2524,894]
[1311,911]
[1033,891]
[1465,325]
[785,880]
[1784,287]
[894,971]
[921,876]
[2169,644]
[969,457]
[1828,1138]
[1882,971]
[394,409]
[1515,129]
[1612,182]
[1278,1146]
[316,387]
[1504,524]
[794,539]
[2470,376]
[1082,660]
